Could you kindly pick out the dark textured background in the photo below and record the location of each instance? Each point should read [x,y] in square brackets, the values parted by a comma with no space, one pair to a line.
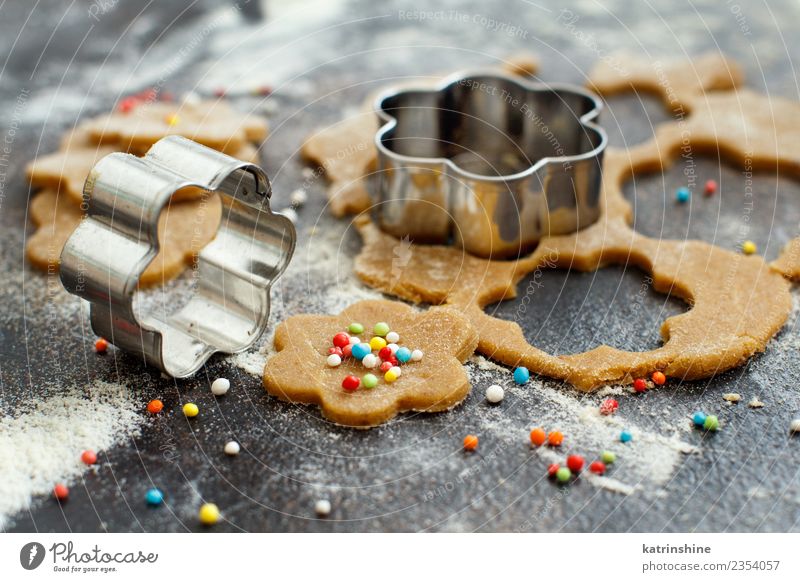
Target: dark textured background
[409,475]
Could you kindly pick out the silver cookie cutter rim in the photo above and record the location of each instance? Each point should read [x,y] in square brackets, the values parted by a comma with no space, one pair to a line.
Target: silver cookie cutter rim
[388,158]
[105,256]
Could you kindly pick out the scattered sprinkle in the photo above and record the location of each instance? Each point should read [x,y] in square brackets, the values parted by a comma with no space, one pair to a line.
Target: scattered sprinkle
[625,436]
[190,409]
[232,448]
[209,514]
[381,329]
[155,406]
[334,360]
[322,507]
[341,339]
[495,393]
[89,457]
[101,345]
[575,463]
[470,442]
[61,492]
[563,475]
[608,457]
[658,378]
[392,337]
[553,469]
[749,247]
[369,361]
[355,328]
[521,375]
[597,467]
[682,194]
[154,496]
[403,355]
[298,198]
[417,355]
[794,426]
[711,423]
[699,418]
[351,383]
[220,386]
[711,187]
[369,380]
[608,406]
[640,385]
[538,437]
[555,439]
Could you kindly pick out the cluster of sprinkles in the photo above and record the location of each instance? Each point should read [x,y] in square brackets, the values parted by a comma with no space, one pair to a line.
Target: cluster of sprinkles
[574,463]
[705,421]
[381,352]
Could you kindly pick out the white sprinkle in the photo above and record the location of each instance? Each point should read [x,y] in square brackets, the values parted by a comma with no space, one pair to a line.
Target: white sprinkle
[220,386]
[393,347]
[322,508]
[794,426]
[495,393]
[232,448]
[354,340]
[298,197]
[370,361]
[334,360]
[289,213]
[392,337]
[396,370]
[416,355]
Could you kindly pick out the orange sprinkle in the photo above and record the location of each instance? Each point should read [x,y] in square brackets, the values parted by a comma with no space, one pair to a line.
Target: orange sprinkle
[101,345]
[538,437]
[555,439]
[155,406]
[658,378]
[470,442]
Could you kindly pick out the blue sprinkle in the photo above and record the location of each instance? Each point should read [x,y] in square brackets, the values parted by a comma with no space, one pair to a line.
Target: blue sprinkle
[361,350]
[154,496]
[682,195]
[699,418]
[403,355]
[625,436]
[521,375]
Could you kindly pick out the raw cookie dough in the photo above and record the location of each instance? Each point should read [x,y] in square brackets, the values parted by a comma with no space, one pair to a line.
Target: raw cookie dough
[346,150]
[298,372]
[211,123]
[184,228]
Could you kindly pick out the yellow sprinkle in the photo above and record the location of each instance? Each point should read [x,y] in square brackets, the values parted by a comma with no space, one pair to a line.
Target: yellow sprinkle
[377,343]
[190,410]
[390,376]
[209,514]
[172,119]
[749,247]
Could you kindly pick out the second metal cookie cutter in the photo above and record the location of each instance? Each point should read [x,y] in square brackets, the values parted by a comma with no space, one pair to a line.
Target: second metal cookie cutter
[105,256]
[488,161]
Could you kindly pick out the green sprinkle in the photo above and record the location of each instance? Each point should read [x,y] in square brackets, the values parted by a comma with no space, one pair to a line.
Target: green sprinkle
[356,328]
[711,423]
[369,380]
[381,329]
[608,457]
[563,475]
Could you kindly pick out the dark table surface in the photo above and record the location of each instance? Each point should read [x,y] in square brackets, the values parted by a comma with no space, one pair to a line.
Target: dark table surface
[74,59]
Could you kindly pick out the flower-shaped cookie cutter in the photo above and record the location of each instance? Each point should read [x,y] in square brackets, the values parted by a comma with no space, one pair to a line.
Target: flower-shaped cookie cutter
[488,161]
[105,256]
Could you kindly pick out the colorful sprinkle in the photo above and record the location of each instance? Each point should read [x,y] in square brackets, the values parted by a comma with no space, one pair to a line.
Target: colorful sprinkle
[711,187]
[101,345]
[608,406]
[369,380]
[360,350]
[381,329]
[711,423]
[369,361]
[351,383]
[625,436]
[334,361]
[470,442]
[521,375]
[495,393]
[354,339]
[640,385]
[127,104]
[699,418]
[60,492]
[377,343]
[749,247]
[335,350]
[682,194]
[347,351]
[155,406]
[385,353]
[220,386]
[396,370]
[417,355]
[390,375]
[403,355]
[190,409]
[575,463]
[341,339]
[393,348]
[154,496]
[538,437]
[392,337]
[794,426]
[552,469]
[608,457]
[89,457]
[597,467]
[386,366]
[322,508]
[555,438]
[563,475]
[209,514]
[232,448]
[658,378]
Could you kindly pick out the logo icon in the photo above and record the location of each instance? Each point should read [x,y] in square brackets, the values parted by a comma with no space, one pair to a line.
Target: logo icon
[31,555]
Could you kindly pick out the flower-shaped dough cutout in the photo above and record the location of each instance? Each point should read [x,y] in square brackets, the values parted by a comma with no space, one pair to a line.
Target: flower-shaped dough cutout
[298,372]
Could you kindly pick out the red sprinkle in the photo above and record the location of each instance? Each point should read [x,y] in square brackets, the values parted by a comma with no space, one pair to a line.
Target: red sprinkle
[658,378]
[385,353]
[335,350]
[341,339]
[347,350]
[598,467]
[608,406]
[89,457]
[100,346]
[386,366]
[575,463]
[155,406]
[351,383]
[711,187]
[60,492]
[640,385]
[553,469]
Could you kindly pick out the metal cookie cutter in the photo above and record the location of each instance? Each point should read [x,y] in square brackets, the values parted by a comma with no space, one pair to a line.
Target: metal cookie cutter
[105,256]
[488,161]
